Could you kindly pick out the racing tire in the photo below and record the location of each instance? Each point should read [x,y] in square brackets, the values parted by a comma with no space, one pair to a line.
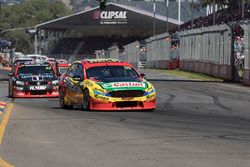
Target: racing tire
[86,100]
[10,92]
[62,102]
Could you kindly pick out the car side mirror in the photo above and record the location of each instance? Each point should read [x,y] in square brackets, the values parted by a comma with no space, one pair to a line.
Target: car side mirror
[11,74]
[143,75]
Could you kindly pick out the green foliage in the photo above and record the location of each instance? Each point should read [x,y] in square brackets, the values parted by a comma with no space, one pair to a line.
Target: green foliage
[29,13]
[21,41]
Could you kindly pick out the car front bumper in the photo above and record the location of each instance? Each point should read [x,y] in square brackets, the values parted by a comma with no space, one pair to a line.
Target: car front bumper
[122,105]
[28,94]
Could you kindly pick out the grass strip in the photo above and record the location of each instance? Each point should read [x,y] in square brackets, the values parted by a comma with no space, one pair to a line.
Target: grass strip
[191,75]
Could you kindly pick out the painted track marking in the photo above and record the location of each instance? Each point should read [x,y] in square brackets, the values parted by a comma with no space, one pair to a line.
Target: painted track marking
[2,130]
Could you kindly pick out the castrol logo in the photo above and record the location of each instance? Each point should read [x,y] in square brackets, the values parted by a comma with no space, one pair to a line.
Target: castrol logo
[125,84]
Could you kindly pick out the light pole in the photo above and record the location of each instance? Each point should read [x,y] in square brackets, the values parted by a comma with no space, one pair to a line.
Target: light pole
[167,4]
[214,12]
[192,16]
[35,42]
[243,9]
[179,12]
[154,19]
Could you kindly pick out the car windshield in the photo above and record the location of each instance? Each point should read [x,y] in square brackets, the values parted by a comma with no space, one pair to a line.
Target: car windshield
[62,69]
[35,70]
[112,73]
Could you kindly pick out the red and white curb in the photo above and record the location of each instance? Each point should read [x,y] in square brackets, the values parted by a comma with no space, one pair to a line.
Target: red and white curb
[3,105]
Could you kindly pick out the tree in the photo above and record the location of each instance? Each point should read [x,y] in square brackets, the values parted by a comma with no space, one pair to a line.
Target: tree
[28,14]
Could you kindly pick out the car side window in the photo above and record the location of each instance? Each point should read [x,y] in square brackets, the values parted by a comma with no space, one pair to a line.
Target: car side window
[79,71]
[72,70]
[131,73]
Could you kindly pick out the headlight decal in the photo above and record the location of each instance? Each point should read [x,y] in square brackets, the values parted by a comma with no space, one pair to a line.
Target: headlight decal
[18,88]
[149,92]
[96,92]
[20,83]
[55,82]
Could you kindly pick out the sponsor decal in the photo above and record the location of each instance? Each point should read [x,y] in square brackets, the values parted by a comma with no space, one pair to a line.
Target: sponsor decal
[101,97]
[97,15]
[125,84]
[111,17]
[88,83]
[71,86]
[150,96]
[35,77]
[37,87]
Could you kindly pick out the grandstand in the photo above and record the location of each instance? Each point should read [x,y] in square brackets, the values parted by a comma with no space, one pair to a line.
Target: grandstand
[222,16]
[86,47]
[147,5]
[81,34]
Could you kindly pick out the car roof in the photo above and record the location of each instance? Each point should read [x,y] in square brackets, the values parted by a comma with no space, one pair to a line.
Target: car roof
[24,58]
[33,63]
[37,56]
[63,64]
[104,62]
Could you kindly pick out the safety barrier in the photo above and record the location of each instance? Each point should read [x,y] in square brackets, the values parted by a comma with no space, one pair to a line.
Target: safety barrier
[246,71]
[158,52]
[114,52]
[207,50]
[131,52]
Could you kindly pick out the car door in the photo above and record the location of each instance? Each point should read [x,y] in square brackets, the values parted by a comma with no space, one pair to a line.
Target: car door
[79,84]
[70,83]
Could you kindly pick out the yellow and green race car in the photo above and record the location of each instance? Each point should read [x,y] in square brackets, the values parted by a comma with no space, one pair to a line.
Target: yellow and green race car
[105,84]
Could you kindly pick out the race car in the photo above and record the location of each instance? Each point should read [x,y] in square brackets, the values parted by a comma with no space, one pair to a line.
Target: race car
[62,67]
[31,79]
[18,61]
[105,84]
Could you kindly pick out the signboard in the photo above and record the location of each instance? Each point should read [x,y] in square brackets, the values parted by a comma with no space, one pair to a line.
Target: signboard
[6,50]
[111,17]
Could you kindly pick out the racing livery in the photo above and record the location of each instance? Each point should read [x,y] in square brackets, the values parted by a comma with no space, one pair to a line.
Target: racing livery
[62,67]
[30,79]
[105,84]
